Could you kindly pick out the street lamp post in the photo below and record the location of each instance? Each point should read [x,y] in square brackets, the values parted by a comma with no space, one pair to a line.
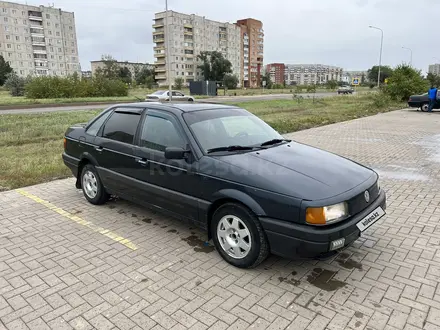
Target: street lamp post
[380,54]
[410,61]
[167,53]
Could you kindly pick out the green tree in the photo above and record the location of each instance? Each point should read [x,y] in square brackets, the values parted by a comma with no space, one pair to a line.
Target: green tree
[110,69]
[434,80]
[332,84]
[385,72]
[141,76]
[230,81]
[268,80]
[178,82]
[214,66]
[5,70]
[404,82]
[15,84]
[125,75]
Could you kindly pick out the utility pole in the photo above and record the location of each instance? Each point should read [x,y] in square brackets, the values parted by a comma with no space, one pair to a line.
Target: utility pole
[380,54]
[168,55]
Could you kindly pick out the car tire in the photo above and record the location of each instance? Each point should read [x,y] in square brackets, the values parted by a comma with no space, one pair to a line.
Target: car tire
[92,186]
[243,243]
[424,107]
[190,99]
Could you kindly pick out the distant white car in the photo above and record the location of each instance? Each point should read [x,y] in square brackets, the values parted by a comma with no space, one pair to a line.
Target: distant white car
[164,96]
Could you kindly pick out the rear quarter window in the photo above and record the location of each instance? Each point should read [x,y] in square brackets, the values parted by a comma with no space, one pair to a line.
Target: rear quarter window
[93,129]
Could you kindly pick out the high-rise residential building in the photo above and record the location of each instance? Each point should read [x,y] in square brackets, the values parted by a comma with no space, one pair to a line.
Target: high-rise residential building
[188,36]
[310,74]
[252,36]
[434,69]
[276,72]
[38,40]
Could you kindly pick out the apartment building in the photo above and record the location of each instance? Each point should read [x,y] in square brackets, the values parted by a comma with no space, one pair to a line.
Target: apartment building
[132,66]
[252,50]
[276,72]
[434,69]
[188,36]
[348,76]
[38,40]
[309,74]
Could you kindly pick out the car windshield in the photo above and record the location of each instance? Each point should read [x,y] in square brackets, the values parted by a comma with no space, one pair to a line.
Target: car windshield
[158,93]
[229,127]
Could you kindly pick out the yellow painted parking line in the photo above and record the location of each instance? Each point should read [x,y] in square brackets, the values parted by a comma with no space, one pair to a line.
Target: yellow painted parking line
[127,243]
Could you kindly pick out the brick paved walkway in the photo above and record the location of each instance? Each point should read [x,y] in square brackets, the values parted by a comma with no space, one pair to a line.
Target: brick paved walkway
[67,264]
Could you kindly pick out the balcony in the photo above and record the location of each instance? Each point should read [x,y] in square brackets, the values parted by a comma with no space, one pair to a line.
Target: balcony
[160,69]
[160,77]
[188,31]
[37,33]
[160,62]
[35,16]
[159,40]
[158,55]
[39,51]
[158,23]
[159,48]
[159,31]
[188,26]
[38,43]
[37,26]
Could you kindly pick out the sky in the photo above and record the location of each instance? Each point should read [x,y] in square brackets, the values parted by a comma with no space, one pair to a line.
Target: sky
[332,32]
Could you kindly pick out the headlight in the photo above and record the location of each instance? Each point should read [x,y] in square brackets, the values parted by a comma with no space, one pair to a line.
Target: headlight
[327,214]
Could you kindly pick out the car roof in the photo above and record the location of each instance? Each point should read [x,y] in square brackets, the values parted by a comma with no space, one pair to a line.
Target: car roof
[180,107]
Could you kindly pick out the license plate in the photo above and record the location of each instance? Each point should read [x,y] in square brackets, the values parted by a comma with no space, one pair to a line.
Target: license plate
[370,219]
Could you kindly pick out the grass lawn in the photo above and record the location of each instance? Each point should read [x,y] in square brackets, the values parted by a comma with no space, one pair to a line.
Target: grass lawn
[32,144]
[136,93]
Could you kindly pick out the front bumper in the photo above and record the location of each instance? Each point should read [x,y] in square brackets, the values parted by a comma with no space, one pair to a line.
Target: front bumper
[288,239]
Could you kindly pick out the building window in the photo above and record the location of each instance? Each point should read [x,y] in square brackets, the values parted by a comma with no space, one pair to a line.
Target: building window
[22,13]
[29,55]
[8,37]
[6,28]
[73,58]
[61,65]
[50,32]
[58,34]
[9,46]
[52,57]
[58,41]
[53,65]
[59,50]
[70,28]
[5,10]
[47,16]
[60,58]
[73,44]
[71,35]
[17,38]
[48,23]
[9,54]
[57,26]
[14,11]
[51,49]
[73,51]
[22,72]
[26,30]
[15,21]
[5,19]
[19,47]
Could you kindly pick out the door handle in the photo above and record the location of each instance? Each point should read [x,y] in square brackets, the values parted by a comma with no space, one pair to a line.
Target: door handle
[142,162]
[99,149]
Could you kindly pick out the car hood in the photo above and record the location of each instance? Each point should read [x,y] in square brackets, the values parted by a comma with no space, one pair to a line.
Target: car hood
[296,170]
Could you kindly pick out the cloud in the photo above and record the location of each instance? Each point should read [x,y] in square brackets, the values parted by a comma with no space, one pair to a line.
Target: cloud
[308,31]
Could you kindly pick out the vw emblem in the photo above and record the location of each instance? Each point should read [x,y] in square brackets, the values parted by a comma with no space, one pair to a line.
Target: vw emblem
[367,196]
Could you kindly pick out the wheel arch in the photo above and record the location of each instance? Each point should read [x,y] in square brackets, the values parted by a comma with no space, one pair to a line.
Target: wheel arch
[232,196]
[85,159]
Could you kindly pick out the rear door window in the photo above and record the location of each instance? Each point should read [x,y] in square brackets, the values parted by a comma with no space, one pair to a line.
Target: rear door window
[122,126]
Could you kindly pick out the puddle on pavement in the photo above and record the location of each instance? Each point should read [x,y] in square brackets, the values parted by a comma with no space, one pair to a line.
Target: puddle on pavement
[357,324]
[323,279]
[289,281]
[344,261]
[358,315]
[198,244]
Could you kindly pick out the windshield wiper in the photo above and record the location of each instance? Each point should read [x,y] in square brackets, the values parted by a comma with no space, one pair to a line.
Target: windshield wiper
[274,141]
[230,148]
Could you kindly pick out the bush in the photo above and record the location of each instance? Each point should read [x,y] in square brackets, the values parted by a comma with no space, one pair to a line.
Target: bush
[277,86]
[380,100]
[299,89]
[72,87]
[404,82]
[15,84]
[230,81]
[311,88]
[372,85]
[178,83]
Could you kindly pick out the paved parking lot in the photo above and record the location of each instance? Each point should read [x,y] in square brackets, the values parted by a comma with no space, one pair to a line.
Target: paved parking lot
[67,264]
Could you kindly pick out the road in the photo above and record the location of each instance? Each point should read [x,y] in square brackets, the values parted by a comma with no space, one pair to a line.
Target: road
[67,264]
[219,99]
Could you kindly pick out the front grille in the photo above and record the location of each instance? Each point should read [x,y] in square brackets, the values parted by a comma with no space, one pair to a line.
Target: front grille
[358,203]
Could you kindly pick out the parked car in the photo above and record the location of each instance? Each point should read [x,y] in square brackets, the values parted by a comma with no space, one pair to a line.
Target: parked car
[345,90]
[227,171]
[422,101]
[164,96]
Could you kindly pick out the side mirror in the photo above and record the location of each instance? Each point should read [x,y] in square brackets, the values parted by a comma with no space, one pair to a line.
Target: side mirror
[175,153]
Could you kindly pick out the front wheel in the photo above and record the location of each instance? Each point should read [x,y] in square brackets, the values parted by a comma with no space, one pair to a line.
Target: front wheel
[92,186]
[238,236]
[424,107]
[190,99]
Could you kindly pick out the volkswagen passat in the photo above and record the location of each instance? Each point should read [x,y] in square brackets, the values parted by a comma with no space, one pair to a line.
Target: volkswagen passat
[227,171]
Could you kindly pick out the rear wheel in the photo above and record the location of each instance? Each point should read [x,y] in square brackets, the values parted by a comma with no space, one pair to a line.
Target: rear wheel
[424,107]
[190,99]
[238,236]
[92,186]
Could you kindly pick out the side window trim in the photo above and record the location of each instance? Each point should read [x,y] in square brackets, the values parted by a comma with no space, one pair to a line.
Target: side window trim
[115,110]
[107,113]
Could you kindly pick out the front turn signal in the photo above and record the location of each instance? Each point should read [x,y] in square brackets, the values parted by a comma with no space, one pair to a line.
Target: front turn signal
[315,215]
[65,143]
